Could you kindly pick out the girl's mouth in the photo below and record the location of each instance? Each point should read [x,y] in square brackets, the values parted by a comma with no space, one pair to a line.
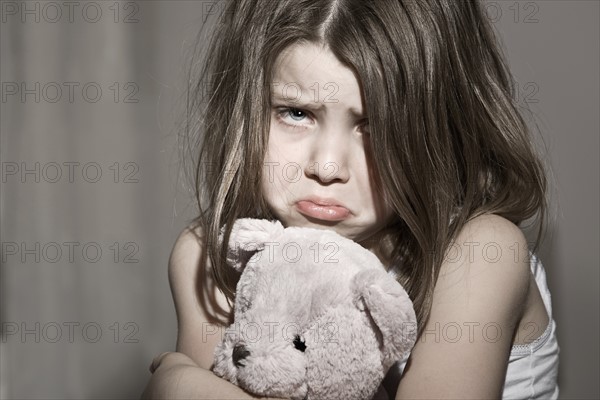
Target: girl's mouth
[322,212]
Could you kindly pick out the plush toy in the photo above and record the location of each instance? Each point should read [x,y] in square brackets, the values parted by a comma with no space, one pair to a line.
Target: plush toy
[316,316]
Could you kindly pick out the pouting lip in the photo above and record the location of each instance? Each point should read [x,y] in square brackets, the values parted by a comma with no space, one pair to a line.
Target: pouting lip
[322,210]
[324,201]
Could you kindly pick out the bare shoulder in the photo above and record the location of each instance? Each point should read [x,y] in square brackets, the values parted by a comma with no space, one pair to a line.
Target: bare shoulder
[493,223]
[199,304]
[494,228]
[486,271]
[490,251]
[186,252]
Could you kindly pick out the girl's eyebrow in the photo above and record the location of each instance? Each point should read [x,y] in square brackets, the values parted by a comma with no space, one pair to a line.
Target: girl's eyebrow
[312,106]
[294,103]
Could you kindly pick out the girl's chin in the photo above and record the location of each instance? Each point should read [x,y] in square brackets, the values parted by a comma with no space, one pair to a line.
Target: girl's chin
[346,228]
[341,228]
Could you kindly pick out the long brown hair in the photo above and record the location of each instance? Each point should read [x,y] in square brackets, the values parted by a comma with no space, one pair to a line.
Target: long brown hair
[442,111]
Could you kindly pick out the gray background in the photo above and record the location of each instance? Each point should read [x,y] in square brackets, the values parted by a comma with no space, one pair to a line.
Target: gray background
[86,325]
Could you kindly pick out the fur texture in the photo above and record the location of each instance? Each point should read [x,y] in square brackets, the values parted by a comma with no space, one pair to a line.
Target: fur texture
[316,315]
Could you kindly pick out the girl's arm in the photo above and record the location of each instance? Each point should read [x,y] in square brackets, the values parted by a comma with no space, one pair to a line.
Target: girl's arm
[478,301]
[176,376]
[196,300]
[186,373]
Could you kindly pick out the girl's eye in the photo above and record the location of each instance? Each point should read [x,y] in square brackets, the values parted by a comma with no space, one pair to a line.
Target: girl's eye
[295,114]
[290,116]
[364,129]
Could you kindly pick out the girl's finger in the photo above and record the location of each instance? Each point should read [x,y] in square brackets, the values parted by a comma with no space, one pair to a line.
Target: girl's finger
[157,360]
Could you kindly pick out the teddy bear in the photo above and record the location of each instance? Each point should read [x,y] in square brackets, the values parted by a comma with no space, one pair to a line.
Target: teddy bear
[316,315]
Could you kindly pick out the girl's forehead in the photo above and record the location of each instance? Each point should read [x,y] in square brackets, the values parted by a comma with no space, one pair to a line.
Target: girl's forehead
[304,51]
[314,69]
[307,59]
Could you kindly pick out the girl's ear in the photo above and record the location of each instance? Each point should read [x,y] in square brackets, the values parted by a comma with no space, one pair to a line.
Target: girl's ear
[249,235]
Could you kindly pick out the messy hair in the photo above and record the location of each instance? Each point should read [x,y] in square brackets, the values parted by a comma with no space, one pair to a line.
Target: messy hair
[442,111]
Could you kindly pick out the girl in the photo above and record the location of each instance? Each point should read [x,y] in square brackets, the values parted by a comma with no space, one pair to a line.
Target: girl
[392,122]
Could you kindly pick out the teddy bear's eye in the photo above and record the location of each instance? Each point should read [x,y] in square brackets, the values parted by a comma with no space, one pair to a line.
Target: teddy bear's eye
[299,343]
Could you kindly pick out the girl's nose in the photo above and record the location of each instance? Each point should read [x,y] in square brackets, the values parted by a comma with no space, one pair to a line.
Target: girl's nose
[329,158]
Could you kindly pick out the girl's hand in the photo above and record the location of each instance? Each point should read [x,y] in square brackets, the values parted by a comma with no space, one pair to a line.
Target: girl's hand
[156,361]
[177,376]
[170,359]
[164,368]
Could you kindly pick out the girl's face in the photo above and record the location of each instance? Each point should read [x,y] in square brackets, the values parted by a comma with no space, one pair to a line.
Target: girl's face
[318,168]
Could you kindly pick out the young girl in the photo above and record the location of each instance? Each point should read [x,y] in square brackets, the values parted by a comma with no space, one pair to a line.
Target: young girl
[392,122]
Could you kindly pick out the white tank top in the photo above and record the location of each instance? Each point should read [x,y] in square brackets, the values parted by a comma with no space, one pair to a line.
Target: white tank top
[532,368]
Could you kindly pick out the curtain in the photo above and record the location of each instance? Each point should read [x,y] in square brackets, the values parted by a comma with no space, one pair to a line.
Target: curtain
[92,192]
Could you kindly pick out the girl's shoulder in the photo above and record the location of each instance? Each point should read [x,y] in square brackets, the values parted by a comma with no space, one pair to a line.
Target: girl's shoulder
[187,248]
[489,257]
[186,257]
[490,221]
[189,266]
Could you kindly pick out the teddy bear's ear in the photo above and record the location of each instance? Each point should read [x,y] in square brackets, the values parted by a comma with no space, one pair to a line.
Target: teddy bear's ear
[249,235]
[391,310]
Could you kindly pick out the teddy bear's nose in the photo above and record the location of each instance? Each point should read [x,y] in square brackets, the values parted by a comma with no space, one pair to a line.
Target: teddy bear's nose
[239,354]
